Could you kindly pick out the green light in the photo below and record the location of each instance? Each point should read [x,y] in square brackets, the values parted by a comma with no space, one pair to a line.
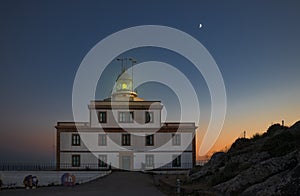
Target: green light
[124,86]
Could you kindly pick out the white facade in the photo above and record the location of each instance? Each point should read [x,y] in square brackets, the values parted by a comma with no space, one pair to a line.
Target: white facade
[125,132]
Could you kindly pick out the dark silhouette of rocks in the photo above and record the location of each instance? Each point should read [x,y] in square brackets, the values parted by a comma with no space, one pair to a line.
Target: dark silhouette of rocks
[267,164]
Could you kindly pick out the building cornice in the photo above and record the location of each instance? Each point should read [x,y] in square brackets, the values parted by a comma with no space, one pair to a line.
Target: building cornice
[84,127]
[145,105]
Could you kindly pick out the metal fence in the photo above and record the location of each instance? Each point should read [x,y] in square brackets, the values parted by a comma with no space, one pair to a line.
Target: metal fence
[201,162]
[17,166]
[86,166]
[172,166]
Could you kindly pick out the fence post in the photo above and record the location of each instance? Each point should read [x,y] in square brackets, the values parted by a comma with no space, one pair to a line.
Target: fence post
[178,186]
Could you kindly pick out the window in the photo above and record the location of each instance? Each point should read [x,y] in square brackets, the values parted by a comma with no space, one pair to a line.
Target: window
[102,117]
[149,140]
[148,117]
[125,139]
[176,139]
[75,160]
[176,161]
[102,161]
[75,140]
[149,160]
[125,117]
[102,140]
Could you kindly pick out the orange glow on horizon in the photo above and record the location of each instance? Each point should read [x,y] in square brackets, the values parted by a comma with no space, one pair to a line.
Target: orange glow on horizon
[231,132]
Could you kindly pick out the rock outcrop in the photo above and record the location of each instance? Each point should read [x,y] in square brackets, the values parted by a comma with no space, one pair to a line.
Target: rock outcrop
[267,164]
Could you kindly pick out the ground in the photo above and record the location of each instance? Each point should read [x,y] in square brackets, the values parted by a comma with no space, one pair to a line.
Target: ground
[117,183]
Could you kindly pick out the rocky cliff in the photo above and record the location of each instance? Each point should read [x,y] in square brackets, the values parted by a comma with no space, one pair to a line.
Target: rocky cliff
[267,164]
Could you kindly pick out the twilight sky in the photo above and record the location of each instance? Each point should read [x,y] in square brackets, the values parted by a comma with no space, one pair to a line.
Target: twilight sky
[256,45]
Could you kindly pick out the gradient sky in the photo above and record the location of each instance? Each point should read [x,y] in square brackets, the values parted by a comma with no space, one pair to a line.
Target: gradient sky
[256,45]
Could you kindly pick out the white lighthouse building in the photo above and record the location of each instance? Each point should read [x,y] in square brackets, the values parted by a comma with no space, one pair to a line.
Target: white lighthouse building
[125,132]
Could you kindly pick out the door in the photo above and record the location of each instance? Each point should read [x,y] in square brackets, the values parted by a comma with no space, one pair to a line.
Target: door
[126,162]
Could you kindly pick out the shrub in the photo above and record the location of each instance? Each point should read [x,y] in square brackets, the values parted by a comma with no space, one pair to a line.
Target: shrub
[239,144]
[280,144]
[273,128]
[195,169]
[230,170]
[256,136]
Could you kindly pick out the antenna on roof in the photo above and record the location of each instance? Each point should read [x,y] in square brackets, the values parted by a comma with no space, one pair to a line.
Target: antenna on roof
[123,67]
[133,61]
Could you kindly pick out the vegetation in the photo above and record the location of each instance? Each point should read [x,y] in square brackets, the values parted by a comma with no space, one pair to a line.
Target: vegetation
[280,144]
[256,136]
[245,157]
[229,171]
[273,129]
[195,169]
[239,144]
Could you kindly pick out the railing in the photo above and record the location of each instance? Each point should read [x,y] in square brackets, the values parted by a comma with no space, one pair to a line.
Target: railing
[176,124]
[158,166]
[72,123]
[86,166]
[201,162]
[17,166]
